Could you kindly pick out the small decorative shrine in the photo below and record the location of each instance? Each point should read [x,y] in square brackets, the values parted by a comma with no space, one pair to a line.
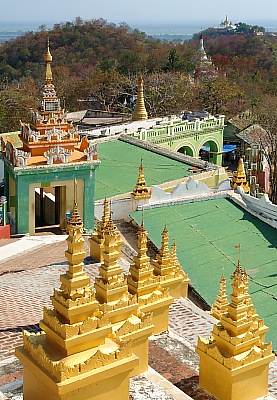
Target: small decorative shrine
[51,156]
[167,267]
[128,321]
[97,238]
[141,191]
[239,178]
[76,356]
[234,361]
[152,297]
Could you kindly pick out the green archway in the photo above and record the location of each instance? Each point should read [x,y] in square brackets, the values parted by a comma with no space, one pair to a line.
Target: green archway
[210,151]
[186,150]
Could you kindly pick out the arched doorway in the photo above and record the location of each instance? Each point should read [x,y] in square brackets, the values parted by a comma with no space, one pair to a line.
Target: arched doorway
[209,151]
[185,150]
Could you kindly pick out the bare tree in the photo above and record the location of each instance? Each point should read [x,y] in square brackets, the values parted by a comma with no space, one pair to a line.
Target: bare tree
[266,117]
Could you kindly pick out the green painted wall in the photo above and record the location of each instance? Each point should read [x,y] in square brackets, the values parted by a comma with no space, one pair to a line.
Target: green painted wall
[175,134]
[41,176]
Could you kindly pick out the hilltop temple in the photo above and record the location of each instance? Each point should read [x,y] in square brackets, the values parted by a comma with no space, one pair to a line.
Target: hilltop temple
[52,155]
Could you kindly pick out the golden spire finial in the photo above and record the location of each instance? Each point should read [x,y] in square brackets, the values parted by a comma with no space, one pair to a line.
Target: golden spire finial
[105,210]
[110,227]
[75,221]
[173,248]
[164,251]
[48,60]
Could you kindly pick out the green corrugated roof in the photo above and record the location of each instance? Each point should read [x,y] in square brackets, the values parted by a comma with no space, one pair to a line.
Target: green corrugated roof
[206,233]
[119,168]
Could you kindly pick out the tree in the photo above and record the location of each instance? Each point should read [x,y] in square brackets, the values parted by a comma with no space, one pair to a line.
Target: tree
[266,117]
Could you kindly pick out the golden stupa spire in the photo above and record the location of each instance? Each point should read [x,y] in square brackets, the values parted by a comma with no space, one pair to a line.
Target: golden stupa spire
[110,228]
[174,257]
[75,221]
[140,112]
[220,305]
[142,260]
[239,178]
[105,216]
[141,191]
[48,60]
[164,251]
[75,282]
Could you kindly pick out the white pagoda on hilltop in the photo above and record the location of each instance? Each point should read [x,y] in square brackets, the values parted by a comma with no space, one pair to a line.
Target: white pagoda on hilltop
[226,24]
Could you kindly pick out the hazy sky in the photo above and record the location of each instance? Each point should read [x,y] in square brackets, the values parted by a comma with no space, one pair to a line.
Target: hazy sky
[132,11]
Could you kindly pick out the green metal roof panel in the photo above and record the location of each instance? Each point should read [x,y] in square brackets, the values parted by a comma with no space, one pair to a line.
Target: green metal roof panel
[206,234]
[119,168]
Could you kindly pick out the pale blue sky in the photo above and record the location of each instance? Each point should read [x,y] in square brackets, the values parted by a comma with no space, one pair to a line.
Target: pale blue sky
[140,11]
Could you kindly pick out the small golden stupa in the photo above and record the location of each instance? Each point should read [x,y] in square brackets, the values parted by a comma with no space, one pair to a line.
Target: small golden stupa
[239,178]
[97,238]
[141,192]
[234,361]
[140,112]
[152,297]
[220,305]
[76,356]
[167,267]
[121,307]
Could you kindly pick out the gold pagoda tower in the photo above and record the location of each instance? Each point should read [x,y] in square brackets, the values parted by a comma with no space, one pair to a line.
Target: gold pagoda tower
[140,112]
[97,238]
[220,305]
[48,127]
[76,356]
[141,191]
[239,178]
[167,267]
[128,321]
[234,361]
[51,155]
[152,297]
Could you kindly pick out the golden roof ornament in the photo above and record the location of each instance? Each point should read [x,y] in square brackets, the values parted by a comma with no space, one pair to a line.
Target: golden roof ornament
[48,60]
[140,112]
[141,191]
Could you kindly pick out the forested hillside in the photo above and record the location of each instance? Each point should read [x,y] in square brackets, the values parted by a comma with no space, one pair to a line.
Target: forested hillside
[101,61]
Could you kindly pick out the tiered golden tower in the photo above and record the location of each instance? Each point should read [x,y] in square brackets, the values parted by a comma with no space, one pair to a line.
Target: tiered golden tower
[76,356]
[239,178]
[220,305]
[168,269]
[141,191]
[140,112]
[121,307]
[97,238]
[234,360]
[152,297]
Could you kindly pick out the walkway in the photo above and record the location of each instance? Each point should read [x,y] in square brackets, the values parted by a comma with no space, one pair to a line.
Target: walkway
[23,295]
